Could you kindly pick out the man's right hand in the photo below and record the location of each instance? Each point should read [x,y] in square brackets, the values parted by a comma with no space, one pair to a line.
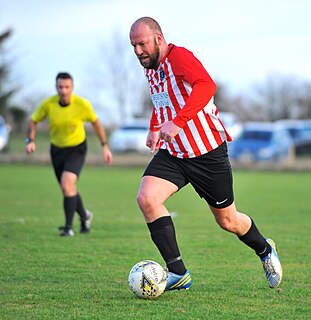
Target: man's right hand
[30,147]
[153,141]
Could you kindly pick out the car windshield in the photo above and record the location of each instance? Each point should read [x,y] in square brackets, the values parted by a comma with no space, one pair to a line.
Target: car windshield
[134,128]
[259,135]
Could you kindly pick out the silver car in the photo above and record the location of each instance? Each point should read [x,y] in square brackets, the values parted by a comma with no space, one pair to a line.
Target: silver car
[4,135]
[130,137]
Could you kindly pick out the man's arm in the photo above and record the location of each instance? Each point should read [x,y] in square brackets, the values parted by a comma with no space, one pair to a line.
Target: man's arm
[101,133]
[31,135]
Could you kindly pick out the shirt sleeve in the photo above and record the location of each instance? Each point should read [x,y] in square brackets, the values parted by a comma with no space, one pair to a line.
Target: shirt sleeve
[41,112]
[191,71]
[90,114]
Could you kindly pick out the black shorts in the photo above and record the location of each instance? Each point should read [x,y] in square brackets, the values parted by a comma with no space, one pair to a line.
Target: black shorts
[68,159]
[209,174]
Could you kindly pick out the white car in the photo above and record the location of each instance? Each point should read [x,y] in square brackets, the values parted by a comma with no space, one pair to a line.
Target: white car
[4,135]
[130,137]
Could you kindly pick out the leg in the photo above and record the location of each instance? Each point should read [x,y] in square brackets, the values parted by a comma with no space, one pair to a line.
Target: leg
[86,216]
[244,227]
[82,212]
[67,164]
[69,189]
[152,194]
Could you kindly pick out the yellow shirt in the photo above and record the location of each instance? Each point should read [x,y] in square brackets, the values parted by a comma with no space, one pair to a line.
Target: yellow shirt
[66,123]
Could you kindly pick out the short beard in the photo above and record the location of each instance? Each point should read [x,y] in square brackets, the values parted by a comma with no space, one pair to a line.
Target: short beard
[153,57]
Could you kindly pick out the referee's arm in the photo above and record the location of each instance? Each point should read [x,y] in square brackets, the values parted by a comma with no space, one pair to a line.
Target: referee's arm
[101,133]
[30,139]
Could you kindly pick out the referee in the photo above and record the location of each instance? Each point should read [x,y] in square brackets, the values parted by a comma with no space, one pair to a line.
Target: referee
[67,113]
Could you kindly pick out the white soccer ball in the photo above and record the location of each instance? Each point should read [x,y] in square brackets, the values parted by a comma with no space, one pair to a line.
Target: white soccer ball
[147,279]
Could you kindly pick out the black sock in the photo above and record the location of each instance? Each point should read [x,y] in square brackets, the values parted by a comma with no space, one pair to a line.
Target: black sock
[80,208]
[70,206]
[163,235]
[256,241]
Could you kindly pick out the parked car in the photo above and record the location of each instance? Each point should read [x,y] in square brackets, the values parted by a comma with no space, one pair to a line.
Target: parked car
[261,141]
[300,132]
[131,136]
[4,135]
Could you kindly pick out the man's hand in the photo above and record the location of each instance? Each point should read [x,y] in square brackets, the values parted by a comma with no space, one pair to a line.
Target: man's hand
[168,130]
[153,141]
[107,155]
[30,147]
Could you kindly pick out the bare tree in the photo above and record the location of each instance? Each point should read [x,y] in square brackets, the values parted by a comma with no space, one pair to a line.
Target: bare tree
[6,89]
[280,97]
[305,101]
[118,78]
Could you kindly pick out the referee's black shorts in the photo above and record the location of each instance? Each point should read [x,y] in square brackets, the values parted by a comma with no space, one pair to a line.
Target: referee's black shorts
[68,159]
[209,174]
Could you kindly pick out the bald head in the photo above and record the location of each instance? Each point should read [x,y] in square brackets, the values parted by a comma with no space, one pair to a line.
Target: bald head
[150,23]
[148,42]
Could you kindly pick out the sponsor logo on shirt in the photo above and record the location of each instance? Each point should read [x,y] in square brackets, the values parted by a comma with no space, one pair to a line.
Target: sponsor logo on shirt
[162,75]
[160,99]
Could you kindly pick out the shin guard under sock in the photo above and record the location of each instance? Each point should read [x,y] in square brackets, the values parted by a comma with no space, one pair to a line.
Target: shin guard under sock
[80,208]
[163,235]
[256,241]
[70,206]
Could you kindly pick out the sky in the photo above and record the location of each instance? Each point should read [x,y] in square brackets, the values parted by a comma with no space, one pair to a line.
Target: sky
[239,42]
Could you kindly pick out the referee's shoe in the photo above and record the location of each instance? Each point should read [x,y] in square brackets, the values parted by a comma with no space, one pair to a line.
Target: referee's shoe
[86,225]
[66,232]
[272,266]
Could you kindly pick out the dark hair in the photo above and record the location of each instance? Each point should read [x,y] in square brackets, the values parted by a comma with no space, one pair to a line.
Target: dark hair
[64,75]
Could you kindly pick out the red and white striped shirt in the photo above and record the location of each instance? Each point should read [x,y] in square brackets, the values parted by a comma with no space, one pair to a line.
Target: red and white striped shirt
[181,90]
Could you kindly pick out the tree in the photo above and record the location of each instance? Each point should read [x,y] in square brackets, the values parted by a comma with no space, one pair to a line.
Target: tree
[282,97]
[118,78]
[6,91]
[16,114]
[305,101]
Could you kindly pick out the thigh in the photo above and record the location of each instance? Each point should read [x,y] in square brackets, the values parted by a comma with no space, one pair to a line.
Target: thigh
[74,159]
[211,177]
[156,189]
[166,167]
[69,159]
[58,161]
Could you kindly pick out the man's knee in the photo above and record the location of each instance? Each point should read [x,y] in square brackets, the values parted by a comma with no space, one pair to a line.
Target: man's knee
[145,200]
[68,184]
[225,223]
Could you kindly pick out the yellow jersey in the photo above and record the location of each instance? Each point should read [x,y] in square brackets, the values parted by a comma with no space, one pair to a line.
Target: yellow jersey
[66,122]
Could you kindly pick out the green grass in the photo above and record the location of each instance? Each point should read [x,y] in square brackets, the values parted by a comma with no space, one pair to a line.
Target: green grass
[44,276]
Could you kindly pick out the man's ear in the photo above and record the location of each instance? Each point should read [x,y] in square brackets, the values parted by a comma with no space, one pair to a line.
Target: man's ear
[159,39]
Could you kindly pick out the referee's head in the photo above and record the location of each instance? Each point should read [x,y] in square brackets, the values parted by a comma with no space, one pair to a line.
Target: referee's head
[64,75]
[64,87]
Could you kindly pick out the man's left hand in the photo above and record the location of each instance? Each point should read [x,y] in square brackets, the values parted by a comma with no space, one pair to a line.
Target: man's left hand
[168,130]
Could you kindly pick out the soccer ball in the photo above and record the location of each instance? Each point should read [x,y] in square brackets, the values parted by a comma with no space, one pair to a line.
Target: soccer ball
[147,279]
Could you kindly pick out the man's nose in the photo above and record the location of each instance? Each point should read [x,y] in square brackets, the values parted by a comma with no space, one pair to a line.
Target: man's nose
[138,51]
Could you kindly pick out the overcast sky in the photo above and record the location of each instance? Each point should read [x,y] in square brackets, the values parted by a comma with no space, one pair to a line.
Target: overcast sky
[238,41]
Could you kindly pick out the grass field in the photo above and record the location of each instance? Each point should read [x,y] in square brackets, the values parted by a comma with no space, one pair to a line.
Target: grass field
[44,276]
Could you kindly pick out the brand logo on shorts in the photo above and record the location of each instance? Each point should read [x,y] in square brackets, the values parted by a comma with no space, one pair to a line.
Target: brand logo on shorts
[221,202]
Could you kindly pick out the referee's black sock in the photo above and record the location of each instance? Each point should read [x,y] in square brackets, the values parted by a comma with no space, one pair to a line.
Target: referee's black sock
[80,208]
[163,235]
[70,205]
[256,241]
